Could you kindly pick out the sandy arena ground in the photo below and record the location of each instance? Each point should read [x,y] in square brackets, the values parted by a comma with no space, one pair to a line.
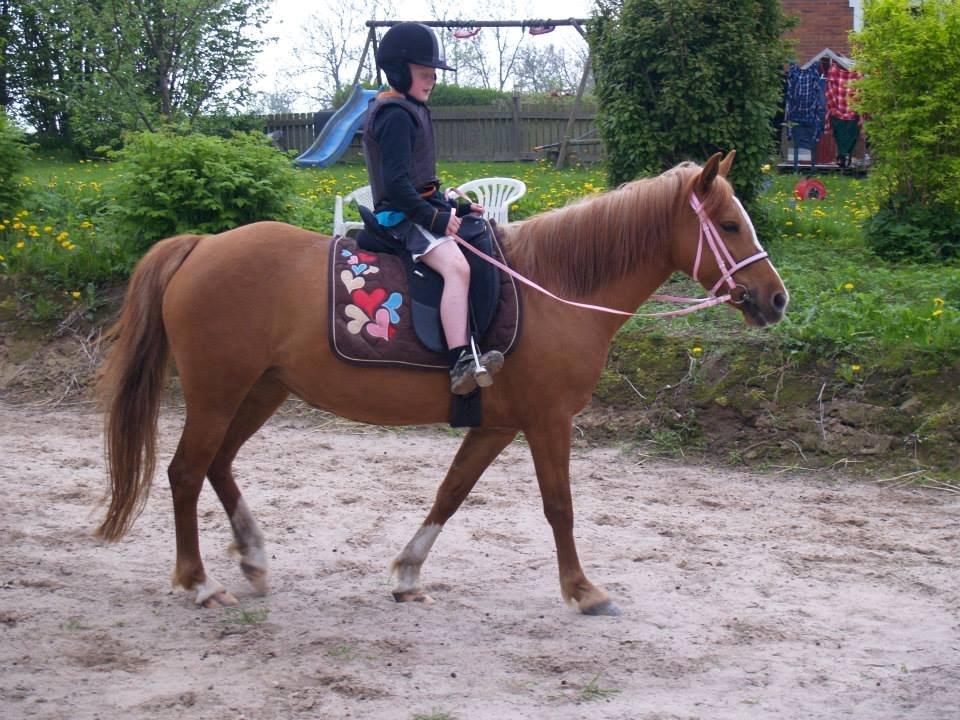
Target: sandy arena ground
[743,595]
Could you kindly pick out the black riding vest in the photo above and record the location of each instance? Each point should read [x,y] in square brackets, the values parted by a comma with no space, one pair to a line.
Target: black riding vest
[423,172]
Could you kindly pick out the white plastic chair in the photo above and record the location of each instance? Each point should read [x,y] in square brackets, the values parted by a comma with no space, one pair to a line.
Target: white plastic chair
[496,194]
[361,196]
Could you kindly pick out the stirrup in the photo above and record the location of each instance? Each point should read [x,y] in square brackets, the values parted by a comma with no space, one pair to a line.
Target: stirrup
[462,380]
[487,366]
[471,370]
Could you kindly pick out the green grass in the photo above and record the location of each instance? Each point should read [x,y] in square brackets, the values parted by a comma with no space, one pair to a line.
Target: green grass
[593,692]
[847,306]
[245,616]
[546,188]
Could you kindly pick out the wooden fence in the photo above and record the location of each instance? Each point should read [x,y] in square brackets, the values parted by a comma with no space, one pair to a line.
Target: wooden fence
[470,133]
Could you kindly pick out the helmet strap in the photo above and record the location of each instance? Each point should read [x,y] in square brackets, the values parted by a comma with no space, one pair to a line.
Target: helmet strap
[398,75]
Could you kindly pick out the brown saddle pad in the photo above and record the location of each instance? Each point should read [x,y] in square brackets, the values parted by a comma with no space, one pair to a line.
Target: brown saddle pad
[370,318]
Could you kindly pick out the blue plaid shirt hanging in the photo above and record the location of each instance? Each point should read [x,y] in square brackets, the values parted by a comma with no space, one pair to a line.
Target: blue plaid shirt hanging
[806,102]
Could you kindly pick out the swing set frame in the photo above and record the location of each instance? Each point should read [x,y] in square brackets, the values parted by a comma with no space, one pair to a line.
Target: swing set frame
[577,23]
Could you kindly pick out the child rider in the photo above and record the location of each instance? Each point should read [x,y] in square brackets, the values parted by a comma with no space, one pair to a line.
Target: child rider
[400,153]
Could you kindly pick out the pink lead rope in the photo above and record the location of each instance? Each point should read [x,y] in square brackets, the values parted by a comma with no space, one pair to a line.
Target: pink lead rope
[715,243]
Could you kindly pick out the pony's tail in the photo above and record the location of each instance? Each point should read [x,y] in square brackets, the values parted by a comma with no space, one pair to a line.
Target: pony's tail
[131,384]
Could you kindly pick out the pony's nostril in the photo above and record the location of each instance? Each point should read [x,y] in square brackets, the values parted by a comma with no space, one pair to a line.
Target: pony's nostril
[779,301]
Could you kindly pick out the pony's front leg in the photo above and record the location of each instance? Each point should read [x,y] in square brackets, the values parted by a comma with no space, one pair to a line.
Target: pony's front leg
[479,448]
[550,447]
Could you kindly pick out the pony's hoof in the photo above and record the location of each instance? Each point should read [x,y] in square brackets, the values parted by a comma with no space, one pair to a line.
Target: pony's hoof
[219,599]
[256,576]
[413,596]
[602,608]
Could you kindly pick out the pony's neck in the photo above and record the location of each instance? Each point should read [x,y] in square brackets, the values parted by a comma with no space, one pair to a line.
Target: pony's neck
[614,246]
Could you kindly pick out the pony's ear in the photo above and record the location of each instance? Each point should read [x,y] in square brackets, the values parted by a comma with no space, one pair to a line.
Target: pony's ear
[708,174]
[727,163]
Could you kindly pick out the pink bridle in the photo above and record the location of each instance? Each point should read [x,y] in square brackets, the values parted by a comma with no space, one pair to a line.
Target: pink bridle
[709,236]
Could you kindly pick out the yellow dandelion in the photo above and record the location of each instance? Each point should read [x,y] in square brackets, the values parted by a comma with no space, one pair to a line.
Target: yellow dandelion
[75,294]
[765,168]
[2,258]
[938,302]
[62,236]
[938,312]
[855,368]
[20,245]
[696,350]
[47,229]
[848,286]
[86,224]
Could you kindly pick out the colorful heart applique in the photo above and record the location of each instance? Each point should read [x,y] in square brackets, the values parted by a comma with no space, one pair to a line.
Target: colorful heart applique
[357,319]
[368,301]
[381,327]
[392,303]
[366,257]
[359,268]
[350,281]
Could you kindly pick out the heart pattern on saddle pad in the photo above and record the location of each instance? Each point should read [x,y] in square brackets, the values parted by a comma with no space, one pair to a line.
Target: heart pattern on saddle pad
[373,310]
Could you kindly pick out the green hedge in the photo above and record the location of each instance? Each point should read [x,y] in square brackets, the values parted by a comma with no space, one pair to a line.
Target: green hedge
[682,79]
[13,158]
[170,184]
[910,56]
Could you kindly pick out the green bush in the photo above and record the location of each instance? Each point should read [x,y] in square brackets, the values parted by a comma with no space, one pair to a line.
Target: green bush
[13,157]
[170,184]
[911,231]
[447,95]
[682,79]
[910,57]
[222,124]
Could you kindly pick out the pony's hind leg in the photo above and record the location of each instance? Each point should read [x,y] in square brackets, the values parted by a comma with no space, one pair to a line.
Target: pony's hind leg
[261,402]
[479,448]
[202,435]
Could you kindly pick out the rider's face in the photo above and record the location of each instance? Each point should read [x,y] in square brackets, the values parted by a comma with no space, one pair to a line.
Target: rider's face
[424,78]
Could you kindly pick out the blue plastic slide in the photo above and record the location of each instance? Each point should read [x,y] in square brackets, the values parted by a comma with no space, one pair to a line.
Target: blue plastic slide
[336,135]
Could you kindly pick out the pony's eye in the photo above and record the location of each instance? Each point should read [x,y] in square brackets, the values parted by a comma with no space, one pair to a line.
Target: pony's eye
[730,227]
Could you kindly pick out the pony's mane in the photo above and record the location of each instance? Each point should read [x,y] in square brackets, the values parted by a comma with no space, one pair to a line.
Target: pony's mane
[589,243]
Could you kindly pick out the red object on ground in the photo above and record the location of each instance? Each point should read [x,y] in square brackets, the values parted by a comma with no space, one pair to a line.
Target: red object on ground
[810,189]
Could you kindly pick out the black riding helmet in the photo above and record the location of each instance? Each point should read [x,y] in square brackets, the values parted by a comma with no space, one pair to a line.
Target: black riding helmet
[408,42]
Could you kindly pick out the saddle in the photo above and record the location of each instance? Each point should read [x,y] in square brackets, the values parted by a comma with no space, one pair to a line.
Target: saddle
[426,285]
[385,308]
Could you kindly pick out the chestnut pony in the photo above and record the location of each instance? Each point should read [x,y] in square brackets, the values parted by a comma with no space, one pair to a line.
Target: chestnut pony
[244,316]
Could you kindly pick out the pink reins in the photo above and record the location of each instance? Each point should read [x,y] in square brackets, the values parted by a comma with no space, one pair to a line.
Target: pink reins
[708,232]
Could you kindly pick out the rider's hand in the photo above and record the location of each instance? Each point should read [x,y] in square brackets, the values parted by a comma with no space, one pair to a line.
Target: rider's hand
[478,209]
[453,225]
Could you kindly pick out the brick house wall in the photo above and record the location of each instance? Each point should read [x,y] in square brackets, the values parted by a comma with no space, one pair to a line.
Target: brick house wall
[823,24]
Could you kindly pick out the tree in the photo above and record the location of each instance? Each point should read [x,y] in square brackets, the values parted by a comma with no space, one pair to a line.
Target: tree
[334,37]
[6,38]
[910,57]
[548,68]
[682,79]
[80,66]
